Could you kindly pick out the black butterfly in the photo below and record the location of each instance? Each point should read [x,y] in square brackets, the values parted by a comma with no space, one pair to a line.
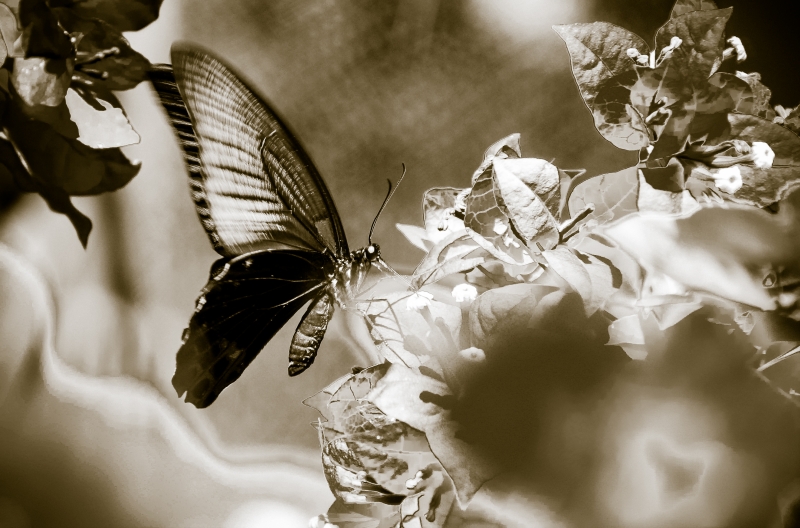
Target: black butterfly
[267,212]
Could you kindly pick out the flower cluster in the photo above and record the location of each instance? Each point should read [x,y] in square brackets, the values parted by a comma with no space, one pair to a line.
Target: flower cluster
[532,270]
[62,126]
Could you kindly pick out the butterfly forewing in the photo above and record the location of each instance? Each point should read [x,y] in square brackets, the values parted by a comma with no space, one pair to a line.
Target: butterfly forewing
[257,184]
[246,301]
[257,194]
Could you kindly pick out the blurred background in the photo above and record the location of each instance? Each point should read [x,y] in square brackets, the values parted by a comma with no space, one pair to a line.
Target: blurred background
[91,431]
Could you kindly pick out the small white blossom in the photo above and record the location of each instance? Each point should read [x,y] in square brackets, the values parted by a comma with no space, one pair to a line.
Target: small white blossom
[763,156]
[674,42]
[728,179]
[738,47]
[419,301]
[473,354]
[499,226]
[465,293]
[632,53]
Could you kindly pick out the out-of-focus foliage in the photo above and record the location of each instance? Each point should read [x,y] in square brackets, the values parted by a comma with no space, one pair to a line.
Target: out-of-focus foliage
[554,272]
[62,126]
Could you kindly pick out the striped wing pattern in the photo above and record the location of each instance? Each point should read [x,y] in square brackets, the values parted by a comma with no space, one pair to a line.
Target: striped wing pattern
[246,301]
[266,211]
[257,187]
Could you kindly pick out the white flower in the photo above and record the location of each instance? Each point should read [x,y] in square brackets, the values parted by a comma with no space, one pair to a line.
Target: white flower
[763,156]
[465,293]
[674,42]
[728,179]
[499,226]
[418,301]
[473,354]
[632,53]
[738,47]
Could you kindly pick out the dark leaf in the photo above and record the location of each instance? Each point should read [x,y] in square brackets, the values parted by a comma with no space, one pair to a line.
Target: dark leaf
[598,51]
[42,36]
[682,7]
[702,33]
[125,15]
[56,198]
[65,163]
[761,95]
[724,93]
[125,69]
[792,121]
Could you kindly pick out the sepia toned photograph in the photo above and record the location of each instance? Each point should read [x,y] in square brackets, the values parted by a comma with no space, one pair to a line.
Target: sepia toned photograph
[399,264]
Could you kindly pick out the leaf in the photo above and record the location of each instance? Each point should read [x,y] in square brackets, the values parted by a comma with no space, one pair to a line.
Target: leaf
[592,278]
[792,121]
[702,33]
[489,225]
[666,194]
[725,252]
[408,336]
[455,254]
[598,51]
[722,94]
[42,36]
[416,235]
[100,129]
[616,119]
[613,196]
[505,148]
[682,7]
[414,399]
[125,69]
[369,457]
[125,15]
[65,163]
[40,81]
[437,208]
[8,32]
[626,333]
[504,309]
[760,187]
[761,94]
[522,186]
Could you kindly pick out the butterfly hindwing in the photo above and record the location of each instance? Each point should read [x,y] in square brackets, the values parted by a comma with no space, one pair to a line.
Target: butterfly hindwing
[246,301]
[254,185]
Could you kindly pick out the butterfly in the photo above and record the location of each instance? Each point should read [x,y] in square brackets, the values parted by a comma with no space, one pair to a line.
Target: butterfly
[269,215]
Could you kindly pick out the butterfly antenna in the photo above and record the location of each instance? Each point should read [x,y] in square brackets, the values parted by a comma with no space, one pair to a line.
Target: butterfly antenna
[385,201]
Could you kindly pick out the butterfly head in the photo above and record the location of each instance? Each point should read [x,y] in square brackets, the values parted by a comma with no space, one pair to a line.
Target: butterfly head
[372,252]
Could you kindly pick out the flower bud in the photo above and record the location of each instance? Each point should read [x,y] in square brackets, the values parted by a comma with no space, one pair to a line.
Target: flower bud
[738,47]
[675,42]
[728,179]
[465,293]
